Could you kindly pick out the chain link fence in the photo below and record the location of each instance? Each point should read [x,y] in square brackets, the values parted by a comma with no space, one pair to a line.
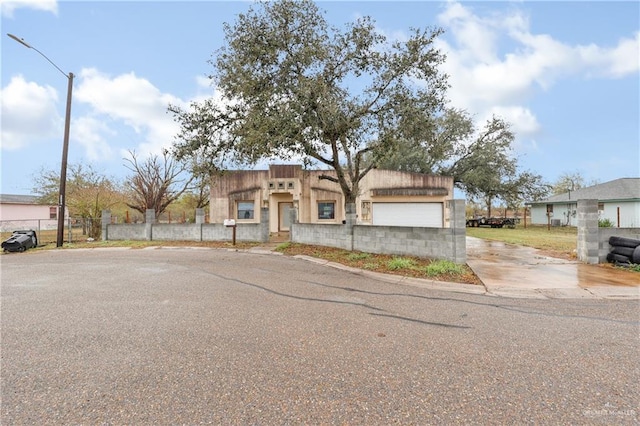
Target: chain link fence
[75,229]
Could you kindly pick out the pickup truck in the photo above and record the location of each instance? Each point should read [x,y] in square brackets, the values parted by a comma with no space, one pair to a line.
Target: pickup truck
[493,222]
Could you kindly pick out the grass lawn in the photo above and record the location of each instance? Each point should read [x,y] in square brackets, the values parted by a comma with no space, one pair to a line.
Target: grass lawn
[557,240]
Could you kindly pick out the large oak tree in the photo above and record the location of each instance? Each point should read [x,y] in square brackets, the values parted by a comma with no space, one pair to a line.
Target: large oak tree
[294,87]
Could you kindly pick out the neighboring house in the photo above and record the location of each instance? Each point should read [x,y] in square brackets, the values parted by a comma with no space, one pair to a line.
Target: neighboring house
[386,197]
[618,201]
[26,212]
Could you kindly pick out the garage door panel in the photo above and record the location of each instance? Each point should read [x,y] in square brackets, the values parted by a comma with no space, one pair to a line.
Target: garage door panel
[428,215]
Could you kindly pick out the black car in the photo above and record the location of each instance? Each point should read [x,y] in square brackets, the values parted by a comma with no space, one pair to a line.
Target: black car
[20,241]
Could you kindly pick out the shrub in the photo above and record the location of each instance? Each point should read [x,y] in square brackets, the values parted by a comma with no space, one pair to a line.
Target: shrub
[358,256]
[401,263]
[283,246]
[443,267]
[605,223]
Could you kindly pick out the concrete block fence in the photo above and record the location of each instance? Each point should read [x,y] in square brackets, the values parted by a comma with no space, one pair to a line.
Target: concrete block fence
[437,243]
[593,241]
[198,231]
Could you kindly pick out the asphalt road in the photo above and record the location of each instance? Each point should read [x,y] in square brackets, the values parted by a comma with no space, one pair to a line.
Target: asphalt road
[205,336]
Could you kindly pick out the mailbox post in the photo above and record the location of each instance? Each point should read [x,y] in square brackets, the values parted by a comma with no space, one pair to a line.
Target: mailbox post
[230,223]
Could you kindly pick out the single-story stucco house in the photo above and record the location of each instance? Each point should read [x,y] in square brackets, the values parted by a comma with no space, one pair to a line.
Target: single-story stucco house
[26,212]
[386,197]
[618,201]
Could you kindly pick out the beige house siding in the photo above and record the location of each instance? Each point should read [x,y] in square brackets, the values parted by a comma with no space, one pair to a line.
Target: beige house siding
[289,185]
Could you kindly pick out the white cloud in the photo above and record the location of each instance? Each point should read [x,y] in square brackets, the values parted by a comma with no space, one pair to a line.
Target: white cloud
[7,7]
[29,113]
[133,101]
[485,81]
[90,132]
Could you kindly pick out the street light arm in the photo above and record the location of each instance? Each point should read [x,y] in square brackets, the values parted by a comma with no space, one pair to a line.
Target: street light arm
[19,40]
[24,43]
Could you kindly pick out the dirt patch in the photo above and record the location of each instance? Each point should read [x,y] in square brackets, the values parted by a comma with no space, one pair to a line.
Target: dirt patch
[415,267]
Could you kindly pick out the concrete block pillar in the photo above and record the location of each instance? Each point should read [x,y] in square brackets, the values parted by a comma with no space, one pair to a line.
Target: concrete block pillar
[264,224]
[350,214]
[199,216]
[106,221]
[588,240]
[350,221]
[458,227]
[149,220]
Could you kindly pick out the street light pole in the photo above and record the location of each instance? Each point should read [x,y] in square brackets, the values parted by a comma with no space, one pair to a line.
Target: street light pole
[65,144]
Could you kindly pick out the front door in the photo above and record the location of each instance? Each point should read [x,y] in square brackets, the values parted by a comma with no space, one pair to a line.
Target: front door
[284,216]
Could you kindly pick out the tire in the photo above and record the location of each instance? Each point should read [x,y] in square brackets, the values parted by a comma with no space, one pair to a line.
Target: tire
[625,251]
[624,242]
[635,257]
[612,257]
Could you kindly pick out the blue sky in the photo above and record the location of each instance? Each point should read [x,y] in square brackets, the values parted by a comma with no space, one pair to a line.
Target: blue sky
[564,74]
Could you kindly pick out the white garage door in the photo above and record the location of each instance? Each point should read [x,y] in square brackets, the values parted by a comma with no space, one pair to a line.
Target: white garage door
[408,214]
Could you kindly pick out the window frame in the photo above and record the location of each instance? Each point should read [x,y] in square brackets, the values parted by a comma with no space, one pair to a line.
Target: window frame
[331,203]
[241,213]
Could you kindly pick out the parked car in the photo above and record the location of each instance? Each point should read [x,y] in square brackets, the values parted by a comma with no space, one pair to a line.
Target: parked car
[20,241]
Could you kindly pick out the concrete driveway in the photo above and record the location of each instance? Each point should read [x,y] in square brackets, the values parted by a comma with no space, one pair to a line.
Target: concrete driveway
[517,271]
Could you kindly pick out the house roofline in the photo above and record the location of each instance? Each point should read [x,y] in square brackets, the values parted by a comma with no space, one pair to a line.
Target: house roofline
[614,200]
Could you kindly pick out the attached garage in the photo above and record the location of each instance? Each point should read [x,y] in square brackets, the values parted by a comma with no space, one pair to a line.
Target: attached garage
[428,215]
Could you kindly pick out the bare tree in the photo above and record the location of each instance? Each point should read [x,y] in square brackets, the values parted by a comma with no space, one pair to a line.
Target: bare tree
[156,182]
[88,193]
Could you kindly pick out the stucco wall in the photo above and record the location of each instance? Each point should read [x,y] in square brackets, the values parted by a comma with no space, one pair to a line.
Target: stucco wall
[305,188]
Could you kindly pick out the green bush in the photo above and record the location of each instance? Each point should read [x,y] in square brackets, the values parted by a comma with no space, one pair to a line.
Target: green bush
[401,263]
[605,223]
[442,267]
[283,246]
[358,256]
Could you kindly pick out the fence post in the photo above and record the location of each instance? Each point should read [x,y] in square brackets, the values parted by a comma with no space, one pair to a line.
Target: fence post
[264,224]
[458,228]
[199,216]
[588,243]
[149,220]
[106,220]
[350,221]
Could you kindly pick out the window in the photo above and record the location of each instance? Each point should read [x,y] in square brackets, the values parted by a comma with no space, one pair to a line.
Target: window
[289,185]
[280,185]
[366,211]
[53,212]
[327,210]
[549,208]
[245,210]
